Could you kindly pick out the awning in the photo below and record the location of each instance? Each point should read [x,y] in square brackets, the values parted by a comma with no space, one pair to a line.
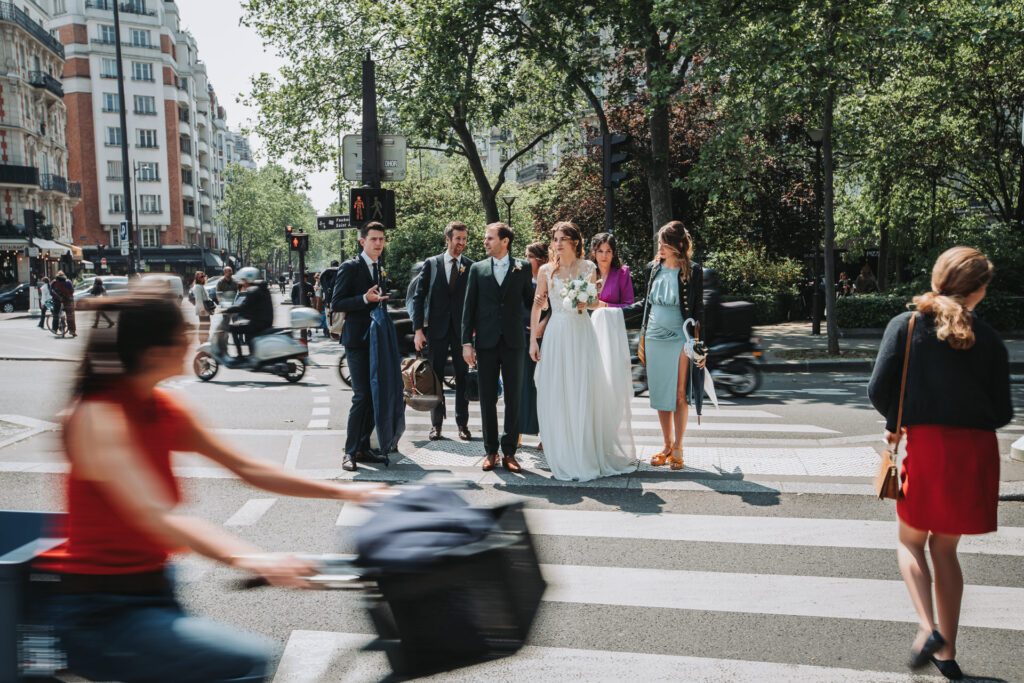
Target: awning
[76,252]
[54,249]
[214,260]
[88,265]
[13,243]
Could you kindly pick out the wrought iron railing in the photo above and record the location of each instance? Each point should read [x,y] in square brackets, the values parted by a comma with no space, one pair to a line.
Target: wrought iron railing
[19,175]
[41,79]
[50,181]
[128,7]
[8,12]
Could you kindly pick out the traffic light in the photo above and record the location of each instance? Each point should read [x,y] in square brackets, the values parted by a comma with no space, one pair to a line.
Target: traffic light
[288,230]
[298,241]
[614,156]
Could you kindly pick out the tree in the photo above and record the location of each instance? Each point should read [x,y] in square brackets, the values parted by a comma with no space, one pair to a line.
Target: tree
[447,74]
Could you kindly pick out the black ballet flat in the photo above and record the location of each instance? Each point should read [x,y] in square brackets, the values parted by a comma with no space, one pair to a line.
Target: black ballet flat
[948,668]
[934,643]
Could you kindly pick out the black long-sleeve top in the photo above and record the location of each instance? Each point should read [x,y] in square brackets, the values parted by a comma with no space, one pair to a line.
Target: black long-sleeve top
[969,388]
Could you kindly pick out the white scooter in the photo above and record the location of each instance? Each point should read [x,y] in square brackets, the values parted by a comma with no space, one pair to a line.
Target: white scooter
[275,351]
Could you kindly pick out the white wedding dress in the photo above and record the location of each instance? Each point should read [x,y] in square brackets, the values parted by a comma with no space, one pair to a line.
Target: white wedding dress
[584,389]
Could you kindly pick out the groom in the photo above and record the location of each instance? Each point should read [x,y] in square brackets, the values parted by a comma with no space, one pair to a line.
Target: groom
[498,288]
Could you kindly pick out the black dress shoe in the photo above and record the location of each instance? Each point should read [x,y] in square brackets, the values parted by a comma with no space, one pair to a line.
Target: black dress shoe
[348,464]
[934,643]
[435,433]
[464,433]
[370,456]
[948,668]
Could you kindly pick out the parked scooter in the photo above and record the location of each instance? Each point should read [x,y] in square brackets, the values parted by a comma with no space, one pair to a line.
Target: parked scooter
[275,351]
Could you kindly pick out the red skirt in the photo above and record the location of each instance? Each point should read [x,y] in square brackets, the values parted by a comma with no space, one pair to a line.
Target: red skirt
[950,480]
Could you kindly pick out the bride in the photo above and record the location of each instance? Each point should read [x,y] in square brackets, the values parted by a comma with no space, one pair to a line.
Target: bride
[583,382]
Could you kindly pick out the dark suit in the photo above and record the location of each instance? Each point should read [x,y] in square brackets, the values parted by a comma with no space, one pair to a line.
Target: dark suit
[492,321]
[437,310]
[353,280]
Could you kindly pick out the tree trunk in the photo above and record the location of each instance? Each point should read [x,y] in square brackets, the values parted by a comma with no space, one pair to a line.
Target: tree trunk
[883,250]
[659,184]
[830,228]
[483,183]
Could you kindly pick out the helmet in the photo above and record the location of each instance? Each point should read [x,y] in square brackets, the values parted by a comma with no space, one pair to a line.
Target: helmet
[248,273]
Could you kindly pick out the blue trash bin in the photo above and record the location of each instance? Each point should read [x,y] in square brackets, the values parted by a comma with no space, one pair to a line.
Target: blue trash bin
[23,537]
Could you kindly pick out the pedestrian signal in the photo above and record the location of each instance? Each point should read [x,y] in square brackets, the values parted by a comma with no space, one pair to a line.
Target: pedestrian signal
[298,241]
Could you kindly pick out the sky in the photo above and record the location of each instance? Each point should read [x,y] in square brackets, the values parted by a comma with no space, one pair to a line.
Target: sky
[232,54]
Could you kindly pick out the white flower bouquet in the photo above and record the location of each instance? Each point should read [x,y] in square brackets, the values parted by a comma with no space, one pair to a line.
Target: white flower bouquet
[578,291]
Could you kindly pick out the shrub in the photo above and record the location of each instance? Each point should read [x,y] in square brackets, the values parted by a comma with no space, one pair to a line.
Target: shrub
[1004,313]
[744,272]
[768,308]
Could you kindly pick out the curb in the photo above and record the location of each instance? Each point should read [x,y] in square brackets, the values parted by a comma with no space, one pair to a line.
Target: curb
[853,365]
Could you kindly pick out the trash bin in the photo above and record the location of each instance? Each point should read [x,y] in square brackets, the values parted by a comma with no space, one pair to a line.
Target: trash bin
[23,537]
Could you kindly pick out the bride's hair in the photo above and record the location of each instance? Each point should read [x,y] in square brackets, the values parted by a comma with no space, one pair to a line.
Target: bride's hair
[569,230]
[677,240]
[958,272]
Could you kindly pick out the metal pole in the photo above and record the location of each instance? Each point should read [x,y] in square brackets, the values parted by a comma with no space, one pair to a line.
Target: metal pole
[816,294]
[124,139]
[371,177]
[609,191]
[341,194]
[29,216]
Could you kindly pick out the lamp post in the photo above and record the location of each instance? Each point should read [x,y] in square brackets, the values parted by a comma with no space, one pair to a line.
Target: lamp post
[816,136]
[509,200]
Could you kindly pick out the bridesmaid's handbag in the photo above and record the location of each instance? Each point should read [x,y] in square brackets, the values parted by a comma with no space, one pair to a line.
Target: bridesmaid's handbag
[887,481]
[641,349]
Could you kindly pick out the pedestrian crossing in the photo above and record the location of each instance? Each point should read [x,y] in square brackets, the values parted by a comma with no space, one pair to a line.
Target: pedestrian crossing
[699,587]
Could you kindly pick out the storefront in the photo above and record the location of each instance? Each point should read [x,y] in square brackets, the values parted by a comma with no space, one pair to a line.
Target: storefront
[51,257]
[184,262]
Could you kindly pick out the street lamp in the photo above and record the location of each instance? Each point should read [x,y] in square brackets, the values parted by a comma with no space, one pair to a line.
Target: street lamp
[817,137]
[509,200]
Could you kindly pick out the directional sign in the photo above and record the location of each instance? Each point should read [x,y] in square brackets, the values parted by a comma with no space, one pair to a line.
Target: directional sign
[333,222]
[124,249]
[122,234]
[369,204]
[391,157]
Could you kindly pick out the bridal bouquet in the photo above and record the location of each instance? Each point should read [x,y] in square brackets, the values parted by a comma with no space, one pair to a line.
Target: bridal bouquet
[581,290]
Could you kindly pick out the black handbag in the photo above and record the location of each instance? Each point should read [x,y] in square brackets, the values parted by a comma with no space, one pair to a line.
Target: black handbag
[210,305]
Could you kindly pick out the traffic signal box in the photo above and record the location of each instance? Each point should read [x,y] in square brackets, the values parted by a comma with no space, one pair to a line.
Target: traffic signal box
[298,241]
[614,156]
[370,204]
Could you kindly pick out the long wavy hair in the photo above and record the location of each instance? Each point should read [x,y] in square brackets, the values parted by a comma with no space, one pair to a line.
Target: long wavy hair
[573,233]
[958,272]
[677,240]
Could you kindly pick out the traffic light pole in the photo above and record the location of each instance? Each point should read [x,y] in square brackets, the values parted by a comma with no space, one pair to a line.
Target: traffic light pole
[609,191]
[371,174]
[33,293]
[125,177]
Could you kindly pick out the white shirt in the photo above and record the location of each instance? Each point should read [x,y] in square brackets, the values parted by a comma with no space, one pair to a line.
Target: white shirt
[369,264]
[500,268]
[449,261]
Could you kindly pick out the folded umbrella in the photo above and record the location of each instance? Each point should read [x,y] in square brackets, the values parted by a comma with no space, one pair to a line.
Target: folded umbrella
[698,379]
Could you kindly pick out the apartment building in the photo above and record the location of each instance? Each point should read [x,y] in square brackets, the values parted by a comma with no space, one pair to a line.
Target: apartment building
[173,123]
[33,146]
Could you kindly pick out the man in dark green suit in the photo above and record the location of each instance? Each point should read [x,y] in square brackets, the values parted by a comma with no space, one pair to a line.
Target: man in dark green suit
[492,324]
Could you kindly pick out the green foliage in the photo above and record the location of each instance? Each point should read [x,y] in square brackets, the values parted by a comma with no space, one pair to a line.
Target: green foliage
[750,270]
[1004,313]
[768,308]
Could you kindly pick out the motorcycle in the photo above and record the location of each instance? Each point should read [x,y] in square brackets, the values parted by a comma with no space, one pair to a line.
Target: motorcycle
[732,369]
[275,350]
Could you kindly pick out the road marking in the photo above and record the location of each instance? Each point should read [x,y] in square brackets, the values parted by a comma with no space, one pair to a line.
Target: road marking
[291,461]
[317,424]
[801,596]
[321,411]
[250,512]
[310,656]
[319,389]
[321,399]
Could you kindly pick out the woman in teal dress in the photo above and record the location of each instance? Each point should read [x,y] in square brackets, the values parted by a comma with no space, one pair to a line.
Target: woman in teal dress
[675,292]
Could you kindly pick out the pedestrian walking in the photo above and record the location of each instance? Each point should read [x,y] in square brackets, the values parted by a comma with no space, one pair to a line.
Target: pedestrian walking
[537,255]
[437,319]
[107,592]
[205,306]
[45,301]
[675,293]
[98,290]
[957,394]
[63,293]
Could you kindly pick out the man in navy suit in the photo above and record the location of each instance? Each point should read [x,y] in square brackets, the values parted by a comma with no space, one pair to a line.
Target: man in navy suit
[359,287]
[437,319]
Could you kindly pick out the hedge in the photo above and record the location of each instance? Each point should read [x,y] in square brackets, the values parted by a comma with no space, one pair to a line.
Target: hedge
[768,308]
[1004,313]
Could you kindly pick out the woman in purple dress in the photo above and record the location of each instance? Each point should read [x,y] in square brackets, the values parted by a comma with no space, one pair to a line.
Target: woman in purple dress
[613,278]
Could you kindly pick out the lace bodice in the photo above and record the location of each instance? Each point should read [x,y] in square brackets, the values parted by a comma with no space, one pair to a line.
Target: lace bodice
[557,281]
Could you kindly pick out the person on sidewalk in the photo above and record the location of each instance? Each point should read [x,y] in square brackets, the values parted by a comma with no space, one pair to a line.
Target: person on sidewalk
[537,255]
[204,305]
[957,395]
[359,288]
[63,298]
[98,290]
[45,301]
[437,319]
[227,286]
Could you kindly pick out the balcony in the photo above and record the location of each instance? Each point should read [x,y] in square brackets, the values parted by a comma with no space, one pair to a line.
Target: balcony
[532,174]
[53,183]
[184,128]
[127,7]
[41,79]
[202,118]
[19,175]
[188,221]
[204,198]
[187,190]
[203,147]
[10,13]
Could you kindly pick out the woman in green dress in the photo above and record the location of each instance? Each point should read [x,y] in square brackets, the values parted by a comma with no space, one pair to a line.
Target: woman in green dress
[675,292]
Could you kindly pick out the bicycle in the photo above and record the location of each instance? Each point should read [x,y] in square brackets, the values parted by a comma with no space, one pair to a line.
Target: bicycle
[62,323]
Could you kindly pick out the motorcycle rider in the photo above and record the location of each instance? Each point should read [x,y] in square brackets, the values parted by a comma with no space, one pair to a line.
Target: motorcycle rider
[254,304]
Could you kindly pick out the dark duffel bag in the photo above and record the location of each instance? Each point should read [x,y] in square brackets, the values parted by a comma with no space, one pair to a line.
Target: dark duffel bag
[477,602]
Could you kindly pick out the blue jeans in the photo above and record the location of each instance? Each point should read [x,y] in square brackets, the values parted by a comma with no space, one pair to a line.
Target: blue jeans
[150,638]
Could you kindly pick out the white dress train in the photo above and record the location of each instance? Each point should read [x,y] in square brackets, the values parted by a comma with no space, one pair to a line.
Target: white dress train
[584,389]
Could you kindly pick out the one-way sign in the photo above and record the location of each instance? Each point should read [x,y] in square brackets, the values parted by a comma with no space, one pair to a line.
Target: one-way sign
[333,223]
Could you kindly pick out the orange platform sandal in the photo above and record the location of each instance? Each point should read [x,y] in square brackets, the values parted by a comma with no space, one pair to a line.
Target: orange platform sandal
[674,462]
[659,459]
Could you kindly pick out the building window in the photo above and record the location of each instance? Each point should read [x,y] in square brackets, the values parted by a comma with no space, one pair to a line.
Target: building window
[147,138]
[183,115]
[142,71]
[150,237]
[149,203]
[117,203]
[115,238]
[110,102]
[145,105]
[107,34]
[108,68]
[113,136]
[114,170]
[186,176]
[186,145]
[188,207]
[140,38]
[59,7]
[149,171]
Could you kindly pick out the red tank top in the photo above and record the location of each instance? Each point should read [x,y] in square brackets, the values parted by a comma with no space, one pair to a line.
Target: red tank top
[101,540]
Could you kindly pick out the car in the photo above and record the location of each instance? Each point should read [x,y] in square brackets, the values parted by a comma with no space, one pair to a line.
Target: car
[173,283]
[15,299]
[111,283]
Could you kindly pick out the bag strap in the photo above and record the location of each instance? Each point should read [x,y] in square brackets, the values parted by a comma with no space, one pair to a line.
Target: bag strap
[903,384]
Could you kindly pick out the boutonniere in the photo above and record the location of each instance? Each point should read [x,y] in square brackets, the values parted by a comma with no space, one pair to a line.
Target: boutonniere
[518,266]
[462,269]
[383,273]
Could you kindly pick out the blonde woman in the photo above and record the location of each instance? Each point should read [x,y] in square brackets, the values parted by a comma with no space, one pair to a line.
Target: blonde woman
[675,292]
[957,395]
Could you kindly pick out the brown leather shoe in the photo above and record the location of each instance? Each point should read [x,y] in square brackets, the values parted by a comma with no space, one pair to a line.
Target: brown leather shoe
[511,464]
[435,434]
[464,433]
[490,460]
[348,464]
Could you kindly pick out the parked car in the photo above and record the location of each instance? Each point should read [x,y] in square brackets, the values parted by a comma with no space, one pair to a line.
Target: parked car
[15,299]
[172,281]
[112,283]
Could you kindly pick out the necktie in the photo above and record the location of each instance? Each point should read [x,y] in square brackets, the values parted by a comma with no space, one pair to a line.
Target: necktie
[452,275]
[376,273]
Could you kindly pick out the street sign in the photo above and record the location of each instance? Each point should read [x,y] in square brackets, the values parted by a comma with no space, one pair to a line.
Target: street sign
[124,249]
[103,262]
[122,234]
[333,222]
[370,204]
[391,157]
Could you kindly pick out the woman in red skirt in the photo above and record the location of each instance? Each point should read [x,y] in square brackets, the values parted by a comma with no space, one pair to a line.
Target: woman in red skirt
[957,395]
